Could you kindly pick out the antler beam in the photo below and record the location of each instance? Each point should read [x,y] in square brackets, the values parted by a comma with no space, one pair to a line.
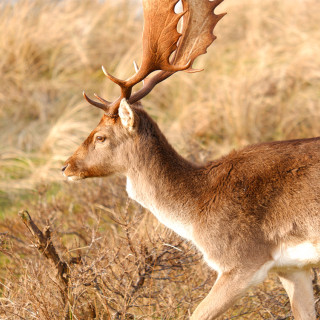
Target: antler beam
[164,48]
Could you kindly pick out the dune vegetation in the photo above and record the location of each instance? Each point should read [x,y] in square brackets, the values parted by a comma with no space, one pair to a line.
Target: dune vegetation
[261,82]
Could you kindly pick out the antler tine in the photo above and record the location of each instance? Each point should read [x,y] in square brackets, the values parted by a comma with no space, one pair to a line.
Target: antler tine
[104,101]
[104,106]
[135,65]
[136,68]
[125,89]
[112,78]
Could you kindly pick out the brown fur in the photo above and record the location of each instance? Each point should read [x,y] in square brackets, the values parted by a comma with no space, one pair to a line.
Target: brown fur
[239,208]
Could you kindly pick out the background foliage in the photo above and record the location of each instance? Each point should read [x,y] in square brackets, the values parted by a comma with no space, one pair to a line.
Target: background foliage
[261,83]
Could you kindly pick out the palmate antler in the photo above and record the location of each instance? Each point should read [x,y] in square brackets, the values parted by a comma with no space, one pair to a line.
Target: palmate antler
[164,48]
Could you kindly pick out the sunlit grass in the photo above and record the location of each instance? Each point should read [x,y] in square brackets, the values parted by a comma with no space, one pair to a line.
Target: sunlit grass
[261,79]
[260,82]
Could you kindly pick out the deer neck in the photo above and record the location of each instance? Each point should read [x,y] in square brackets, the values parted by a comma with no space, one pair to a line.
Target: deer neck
[164,183]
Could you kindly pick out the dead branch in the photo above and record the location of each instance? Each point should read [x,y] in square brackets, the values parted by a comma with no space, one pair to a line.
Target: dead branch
[46,247]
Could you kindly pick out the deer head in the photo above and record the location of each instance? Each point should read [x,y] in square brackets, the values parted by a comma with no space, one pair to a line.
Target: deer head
[164,50]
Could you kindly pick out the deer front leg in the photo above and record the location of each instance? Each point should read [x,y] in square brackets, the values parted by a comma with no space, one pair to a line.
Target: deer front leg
[227,289]
[298,285]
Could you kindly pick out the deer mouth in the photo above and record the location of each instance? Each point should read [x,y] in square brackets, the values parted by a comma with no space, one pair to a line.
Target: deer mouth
[74,178]
[71,176]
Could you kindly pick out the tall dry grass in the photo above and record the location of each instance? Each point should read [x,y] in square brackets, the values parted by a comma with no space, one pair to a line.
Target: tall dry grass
[51,51]
[261,79]
[261,82]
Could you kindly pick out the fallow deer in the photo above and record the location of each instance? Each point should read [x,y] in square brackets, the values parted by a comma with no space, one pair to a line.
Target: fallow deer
[253,211]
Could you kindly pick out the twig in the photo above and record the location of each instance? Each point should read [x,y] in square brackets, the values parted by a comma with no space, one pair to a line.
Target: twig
[45,246]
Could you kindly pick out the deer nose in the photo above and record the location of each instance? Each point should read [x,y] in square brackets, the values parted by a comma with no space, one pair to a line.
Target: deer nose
[64,168]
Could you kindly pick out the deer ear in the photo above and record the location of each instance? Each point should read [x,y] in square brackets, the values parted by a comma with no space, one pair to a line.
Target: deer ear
[127,115]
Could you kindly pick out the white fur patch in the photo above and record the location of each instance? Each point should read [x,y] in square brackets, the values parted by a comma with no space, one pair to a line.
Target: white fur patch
[167,218]
[74,178]
[262,273]
[286,256]
[130,190]
[300,255]
[212,264]
[180,228]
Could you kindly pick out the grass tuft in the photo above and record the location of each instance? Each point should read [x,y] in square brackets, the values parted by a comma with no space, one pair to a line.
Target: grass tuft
[261,83]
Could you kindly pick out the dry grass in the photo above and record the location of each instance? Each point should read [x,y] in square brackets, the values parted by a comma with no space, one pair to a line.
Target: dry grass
[261,82]
[131,267]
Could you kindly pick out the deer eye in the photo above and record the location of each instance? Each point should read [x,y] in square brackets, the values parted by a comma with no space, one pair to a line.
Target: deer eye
[100,139]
